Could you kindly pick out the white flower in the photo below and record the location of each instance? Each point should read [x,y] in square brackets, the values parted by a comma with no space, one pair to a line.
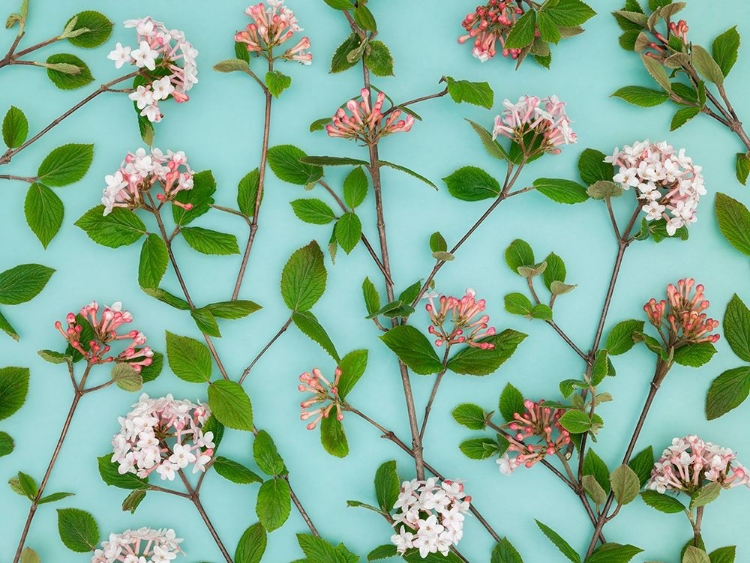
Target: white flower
[143,96]
[145,56]
[162,88]
[120,55]
[152,113]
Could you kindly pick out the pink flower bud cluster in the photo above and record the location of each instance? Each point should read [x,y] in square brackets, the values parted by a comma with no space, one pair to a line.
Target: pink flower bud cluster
[465,327]
[668,183]
[271,27]
[682,314]
[536,125]
[140,171]
[163,435]
[105,332]
[430,517]
[368,123]
[326,396]
[163,48]
[489,24]
[679,29]
[541,423]
[689,463]
[139,546]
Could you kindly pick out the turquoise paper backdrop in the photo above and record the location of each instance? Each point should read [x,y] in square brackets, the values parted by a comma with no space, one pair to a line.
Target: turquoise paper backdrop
[220,130]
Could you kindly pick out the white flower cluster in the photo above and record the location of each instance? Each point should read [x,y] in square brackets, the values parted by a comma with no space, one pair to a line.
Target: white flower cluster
[166,47]
[431,516]
[689,462]
[139,171]
[139,546]
[142,445]
[667,181]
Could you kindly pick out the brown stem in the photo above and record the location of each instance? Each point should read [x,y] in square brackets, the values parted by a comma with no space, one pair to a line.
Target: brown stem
[567,340]
[697,526]
[168,243]
[78,393]
[195,497]
[6,59]
[281,331]
[417,100]
[29,179]
[33,48]
[301,509]
[259,194]
[433,394]
[6,158]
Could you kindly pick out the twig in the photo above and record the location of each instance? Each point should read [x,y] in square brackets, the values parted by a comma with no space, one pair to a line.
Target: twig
[301,509]
[281,331]
[29,179]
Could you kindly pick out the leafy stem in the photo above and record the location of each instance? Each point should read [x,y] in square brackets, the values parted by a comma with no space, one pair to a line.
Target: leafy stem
[433,394]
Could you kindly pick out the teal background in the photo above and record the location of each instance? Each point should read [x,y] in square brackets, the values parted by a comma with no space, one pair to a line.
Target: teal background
[220,129]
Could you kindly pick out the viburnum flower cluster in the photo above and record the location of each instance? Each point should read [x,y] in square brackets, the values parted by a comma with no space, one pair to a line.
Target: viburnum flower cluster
[163,435]
[105,332]
[144,545]
[430,517]
[681,315]
[465,327]
[272,26]
[325,392]
[490,24]
[540,422]
[368,123]
[537,125]
[140,171]
[668,182]
[161,51]
[689,463]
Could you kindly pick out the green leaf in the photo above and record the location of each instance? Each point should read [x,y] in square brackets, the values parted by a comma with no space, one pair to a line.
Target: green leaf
[683,116]
[274,504]
[6,444]
[335,161]
[725,48]
[547,28]
[318,550]
[479,448]
[437,243]
[640,96]
[555,271]
[126,377]
[694,355]
[303,280]
[151,372]
[230,405]
[94,29]
[235,472]
[511,403]
[340,61]
[348,231]
[594,490]
[625,484]
[207,241]
[44,212]
[379,59]
[642,464]
[408,171]
[614,553]
[28,555]
[387,486]
[413,348]
[189,359]
[695,555]
[113,478]
[313,211]
[742,167]
[522,33]
[235,65]
[727,392]
[153,262]
[575,422]
[200,197]
[353,367]
[470,415]
[518,304]
[310,327]
[706,65]
[594,465]
[371,296]
[364,18]
[78,530]
[662,503]
[277,82]
[492,147]
[333,437]
[252,545]
[657,72]
[356,185]
[339,4]
[247,191]
[620,338]
[54,497]
[237,309]
[705,495]
[723,555]
[477,361]
[592,167]
[737,327]
[559,542]
[569,13]
[168,298]
[504,552]
[561,191]
[205,322]
[734,222]
[66,164]
[472,184]
[68,72]
[23,283]
[121,227]
[266,455]
[519,254]
[382,552]
[28,485]
[475,93]
[15,128]
[284,160]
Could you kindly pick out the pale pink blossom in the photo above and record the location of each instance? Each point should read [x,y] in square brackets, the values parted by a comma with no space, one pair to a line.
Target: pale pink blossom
[325,396]
[536,125]
[680,318]
[488,28]
[460,321]
[272,26]
[144,545]
[367,123]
